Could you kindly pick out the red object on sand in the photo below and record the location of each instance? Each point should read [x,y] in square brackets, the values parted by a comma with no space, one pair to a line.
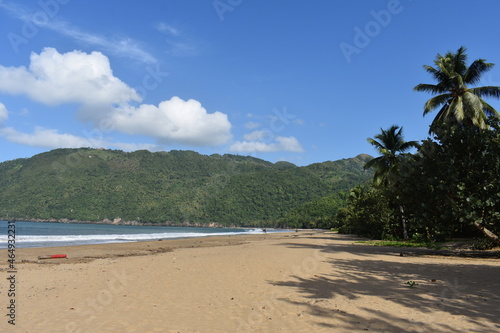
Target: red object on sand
[58,256]
[52,256]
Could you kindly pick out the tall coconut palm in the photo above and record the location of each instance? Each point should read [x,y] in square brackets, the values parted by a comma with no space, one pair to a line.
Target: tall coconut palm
[390,144]
[458,102]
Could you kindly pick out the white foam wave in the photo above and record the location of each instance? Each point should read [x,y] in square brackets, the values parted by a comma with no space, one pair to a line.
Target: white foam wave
[122,237]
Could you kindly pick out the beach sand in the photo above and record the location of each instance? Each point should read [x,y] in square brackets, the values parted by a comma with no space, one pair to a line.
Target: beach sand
[287,282]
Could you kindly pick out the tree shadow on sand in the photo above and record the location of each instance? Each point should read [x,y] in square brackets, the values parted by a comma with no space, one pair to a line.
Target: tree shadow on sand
[466,290]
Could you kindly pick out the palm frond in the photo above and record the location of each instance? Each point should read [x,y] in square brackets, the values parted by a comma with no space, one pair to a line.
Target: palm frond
[446,65]
[486,91]
[437,74]
[379,146]
[476,70]
[372,162]
[459,61]
[436,101]
[473,109]
[441,118]
[431,88]
[471,100]
[457,81]
[408,145]
[489,110]
[456,110]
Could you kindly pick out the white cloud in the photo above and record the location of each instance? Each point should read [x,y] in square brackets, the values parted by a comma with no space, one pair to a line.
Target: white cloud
[87,79]
[4,114]
[290,144]
[51,138]
[179,44]
[167,29]
[174,121]
[44,138]
[261,135]
[54,78]
[252,125]
[182,49]
[122,47]
[133,146]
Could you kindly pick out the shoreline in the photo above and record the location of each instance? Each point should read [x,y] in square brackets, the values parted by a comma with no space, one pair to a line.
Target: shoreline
[306,281]
[90,252]
[100,234]
[119,221]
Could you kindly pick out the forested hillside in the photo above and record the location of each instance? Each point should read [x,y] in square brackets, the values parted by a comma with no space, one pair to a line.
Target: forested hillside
[169,187]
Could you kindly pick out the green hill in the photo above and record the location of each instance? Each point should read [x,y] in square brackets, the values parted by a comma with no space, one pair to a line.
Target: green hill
[166,187]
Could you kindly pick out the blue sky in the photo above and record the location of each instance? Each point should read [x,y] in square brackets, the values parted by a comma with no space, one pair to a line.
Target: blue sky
[301,81]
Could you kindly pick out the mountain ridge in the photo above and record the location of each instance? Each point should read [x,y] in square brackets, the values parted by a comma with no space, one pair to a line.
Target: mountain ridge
[168,188]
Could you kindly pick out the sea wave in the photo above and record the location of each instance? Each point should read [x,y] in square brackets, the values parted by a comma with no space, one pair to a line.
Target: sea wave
[55,240]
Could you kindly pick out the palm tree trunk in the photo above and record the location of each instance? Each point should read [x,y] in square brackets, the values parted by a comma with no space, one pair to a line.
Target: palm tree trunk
[486,232]
[403,223]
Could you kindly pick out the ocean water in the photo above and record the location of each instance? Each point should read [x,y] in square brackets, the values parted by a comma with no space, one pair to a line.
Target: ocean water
[43,234]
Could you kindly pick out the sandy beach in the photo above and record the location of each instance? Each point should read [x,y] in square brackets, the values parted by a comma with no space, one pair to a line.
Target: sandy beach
[288,282]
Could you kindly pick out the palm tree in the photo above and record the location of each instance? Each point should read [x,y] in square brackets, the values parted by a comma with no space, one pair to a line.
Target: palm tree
[390,145]
[357,192]
[457,102]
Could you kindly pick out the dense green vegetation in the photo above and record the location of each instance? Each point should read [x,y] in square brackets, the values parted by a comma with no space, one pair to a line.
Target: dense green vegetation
[173,188]
[450,186]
